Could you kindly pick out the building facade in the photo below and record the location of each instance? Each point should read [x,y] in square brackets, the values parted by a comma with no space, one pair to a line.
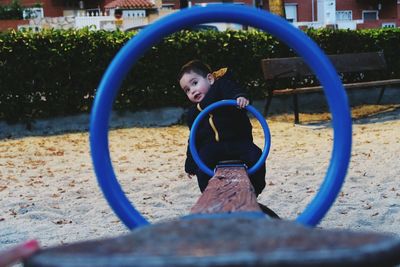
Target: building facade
[342,14]
[345,14]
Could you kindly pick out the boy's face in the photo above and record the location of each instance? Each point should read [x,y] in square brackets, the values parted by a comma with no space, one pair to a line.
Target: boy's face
[196,86]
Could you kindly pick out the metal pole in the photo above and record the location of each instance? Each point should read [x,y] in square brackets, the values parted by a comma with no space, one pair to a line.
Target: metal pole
[312,11]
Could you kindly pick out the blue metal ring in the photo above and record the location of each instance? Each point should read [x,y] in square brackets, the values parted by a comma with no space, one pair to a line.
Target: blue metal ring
[297,40]
[200,117]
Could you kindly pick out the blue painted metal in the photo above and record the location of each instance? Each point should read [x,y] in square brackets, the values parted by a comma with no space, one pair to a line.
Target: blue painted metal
[222,103]
[149,36]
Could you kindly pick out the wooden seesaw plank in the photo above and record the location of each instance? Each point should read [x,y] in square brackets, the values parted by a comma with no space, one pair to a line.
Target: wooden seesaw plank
[227,229]
[229,190]
[227,241]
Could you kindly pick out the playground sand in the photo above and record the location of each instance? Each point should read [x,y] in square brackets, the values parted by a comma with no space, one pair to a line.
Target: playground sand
[48,190]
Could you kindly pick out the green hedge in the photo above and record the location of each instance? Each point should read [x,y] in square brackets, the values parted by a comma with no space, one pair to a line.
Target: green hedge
[11,11]
[14,10]
[56,73]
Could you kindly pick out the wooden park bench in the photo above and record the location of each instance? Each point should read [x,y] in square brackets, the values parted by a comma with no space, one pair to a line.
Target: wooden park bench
[295,69]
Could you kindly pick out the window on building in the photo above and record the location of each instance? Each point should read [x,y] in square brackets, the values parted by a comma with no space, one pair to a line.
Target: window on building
[291,12]
[203,4]
[167,6]
[93,12]
[33,28]
[370,15]
[32,13]
[389,25]
[344,15]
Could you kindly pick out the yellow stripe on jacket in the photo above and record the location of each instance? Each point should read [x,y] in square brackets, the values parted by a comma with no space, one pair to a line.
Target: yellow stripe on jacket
[219,73]
[210,120]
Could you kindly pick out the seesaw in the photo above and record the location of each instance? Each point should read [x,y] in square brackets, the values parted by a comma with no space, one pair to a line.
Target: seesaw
[225,229]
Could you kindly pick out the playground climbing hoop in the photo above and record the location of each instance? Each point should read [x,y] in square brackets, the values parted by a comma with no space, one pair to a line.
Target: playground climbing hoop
[278,27]
[207,110]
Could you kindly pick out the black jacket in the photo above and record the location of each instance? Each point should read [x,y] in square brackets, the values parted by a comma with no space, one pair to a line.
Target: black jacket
[224,123]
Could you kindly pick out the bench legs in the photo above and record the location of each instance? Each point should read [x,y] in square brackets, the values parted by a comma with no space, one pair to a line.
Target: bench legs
[296,109]
[268,102]
[295,106]
[381,94]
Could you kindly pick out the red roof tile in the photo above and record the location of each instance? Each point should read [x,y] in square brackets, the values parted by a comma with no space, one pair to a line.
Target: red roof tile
[130,4]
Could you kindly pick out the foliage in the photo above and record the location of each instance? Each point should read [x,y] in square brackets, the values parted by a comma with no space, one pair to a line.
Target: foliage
[56,72]
[15,11]
[11,11]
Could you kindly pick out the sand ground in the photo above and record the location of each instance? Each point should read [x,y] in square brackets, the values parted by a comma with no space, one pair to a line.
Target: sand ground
[48,190]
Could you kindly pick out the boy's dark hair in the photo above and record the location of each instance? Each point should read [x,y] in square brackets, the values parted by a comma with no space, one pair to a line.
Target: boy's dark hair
[196,66]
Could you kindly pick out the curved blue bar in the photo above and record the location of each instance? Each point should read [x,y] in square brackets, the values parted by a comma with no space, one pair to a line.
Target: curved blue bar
[222,103]
[297,40]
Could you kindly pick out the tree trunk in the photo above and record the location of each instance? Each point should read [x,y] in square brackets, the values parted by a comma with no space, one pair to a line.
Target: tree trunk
[183,4]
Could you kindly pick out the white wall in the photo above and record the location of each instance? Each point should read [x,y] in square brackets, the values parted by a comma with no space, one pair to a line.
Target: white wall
[326,11]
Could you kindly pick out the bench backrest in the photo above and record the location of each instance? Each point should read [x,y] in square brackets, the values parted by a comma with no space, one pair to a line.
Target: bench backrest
[275,68]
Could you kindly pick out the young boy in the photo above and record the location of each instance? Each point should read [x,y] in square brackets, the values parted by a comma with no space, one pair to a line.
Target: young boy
[227,133]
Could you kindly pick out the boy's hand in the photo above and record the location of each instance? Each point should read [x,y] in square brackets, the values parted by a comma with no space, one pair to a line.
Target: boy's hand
[242,102]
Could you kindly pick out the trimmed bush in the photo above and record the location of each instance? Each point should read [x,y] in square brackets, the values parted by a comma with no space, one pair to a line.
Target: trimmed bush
[56,73]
